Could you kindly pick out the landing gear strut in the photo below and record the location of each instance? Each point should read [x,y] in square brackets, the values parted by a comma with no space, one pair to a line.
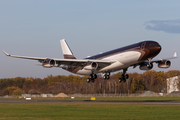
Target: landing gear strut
[124,76]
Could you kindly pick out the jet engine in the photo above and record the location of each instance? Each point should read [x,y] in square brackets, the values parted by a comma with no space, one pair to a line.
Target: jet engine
[94,65]
[48,63]
[164,64]
[146,66]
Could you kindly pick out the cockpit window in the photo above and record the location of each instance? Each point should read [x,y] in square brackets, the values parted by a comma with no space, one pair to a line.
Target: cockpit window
[153,44]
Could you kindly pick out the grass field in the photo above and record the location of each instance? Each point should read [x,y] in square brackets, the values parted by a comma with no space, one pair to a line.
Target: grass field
[62,111]
[33,111]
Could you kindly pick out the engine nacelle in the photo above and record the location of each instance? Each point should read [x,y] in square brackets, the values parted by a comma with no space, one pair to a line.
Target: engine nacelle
[146,66]
[48,63]
[94,65]
[164,64]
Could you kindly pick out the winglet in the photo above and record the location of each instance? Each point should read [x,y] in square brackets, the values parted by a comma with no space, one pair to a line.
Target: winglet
[6,53]
[175,55]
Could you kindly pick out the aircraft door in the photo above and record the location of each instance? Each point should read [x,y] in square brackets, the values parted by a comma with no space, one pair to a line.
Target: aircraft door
[143,45]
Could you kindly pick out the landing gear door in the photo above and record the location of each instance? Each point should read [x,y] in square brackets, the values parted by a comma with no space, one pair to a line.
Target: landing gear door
[143,45]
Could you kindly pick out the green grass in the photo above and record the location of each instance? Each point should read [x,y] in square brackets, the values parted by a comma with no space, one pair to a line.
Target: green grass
[29,111]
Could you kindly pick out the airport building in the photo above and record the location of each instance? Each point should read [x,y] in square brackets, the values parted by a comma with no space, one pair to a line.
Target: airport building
[173,84]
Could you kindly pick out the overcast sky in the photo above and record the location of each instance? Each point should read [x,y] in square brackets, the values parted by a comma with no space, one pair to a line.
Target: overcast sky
[34,28]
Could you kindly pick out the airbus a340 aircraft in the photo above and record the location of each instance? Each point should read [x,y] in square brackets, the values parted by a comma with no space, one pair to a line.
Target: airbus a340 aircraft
[138,54]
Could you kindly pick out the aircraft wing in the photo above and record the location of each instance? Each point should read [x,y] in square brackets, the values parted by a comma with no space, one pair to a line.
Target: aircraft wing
[157,61]
[24,57]
[71,62]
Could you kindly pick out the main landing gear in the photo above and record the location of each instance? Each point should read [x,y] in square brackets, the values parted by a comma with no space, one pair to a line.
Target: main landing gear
[92,78]
[124,76]
[106,75]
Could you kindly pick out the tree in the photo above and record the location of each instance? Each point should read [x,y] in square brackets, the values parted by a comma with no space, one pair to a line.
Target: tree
[9,90]
[18,92]
[33,91]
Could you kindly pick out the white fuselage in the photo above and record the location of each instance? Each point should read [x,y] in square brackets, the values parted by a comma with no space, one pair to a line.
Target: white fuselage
[123,60]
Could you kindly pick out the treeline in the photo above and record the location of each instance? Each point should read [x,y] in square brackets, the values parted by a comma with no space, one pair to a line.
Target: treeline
[149,80]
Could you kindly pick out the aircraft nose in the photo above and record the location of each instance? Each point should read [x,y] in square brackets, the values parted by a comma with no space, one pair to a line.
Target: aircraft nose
[155,48]
[158,48]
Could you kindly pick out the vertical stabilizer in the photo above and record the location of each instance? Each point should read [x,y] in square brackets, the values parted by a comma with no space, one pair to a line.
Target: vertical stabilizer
[66,50]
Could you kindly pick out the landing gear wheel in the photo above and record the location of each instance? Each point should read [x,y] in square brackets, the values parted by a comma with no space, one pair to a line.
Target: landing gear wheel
[122,76]
[92,78]
[88,80]
[120,80]
[108,76]
[105,77]
[95,76]
[127,76]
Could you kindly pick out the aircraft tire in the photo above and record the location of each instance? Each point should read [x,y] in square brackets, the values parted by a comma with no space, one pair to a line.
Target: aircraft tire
[105,77]
[88,80]
[95,76]
[120,80]
[122,76]
[127,76]
[108,76]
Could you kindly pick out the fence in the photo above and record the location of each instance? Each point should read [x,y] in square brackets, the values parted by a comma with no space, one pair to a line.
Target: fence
[103,95]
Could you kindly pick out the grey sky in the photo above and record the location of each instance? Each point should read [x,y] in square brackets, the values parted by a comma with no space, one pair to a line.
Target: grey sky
[34,28]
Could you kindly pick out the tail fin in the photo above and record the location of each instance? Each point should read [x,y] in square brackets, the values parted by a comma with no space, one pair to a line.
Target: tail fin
[66,50]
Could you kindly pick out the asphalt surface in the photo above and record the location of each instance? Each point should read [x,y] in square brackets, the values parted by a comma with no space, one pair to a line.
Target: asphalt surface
[94,102]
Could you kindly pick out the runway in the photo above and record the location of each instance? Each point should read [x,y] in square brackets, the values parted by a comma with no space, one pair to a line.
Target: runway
[93,102]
